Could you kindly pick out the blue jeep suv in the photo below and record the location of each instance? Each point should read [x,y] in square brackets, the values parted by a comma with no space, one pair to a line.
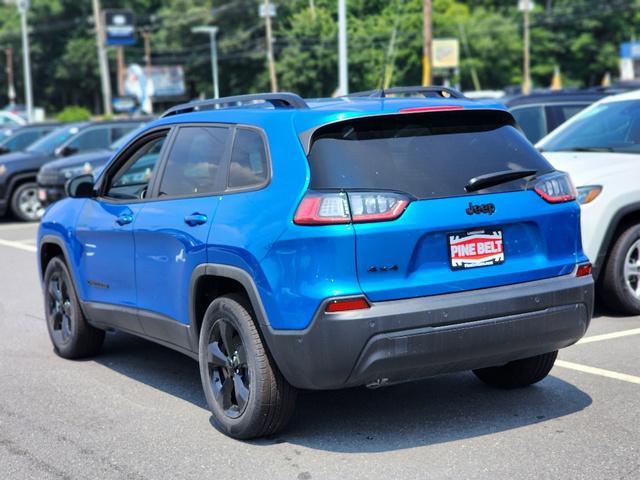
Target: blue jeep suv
[291,245]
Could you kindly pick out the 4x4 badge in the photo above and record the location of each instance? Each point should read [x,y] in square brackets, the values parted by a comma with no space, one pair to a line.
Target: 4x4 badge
[489,208]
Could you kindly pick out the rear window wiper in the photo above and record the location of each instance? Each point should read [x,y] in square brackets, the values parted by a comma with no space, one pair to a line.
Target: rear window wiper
[496,178]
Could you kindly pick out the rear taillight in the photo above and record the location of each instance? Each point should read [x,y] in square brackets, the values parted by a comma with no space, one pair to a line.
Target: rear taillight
[555,187]
[323,209]
[331,208]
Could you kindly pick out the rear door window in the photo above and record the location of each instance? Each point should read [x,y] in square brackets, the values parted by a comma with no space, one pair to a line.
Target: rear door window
[194,163]
[248,167]
[428,155]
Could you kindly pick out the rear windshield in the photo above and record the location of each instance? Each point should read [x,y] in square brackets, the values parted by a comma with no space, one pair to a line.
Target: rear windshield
[427,155]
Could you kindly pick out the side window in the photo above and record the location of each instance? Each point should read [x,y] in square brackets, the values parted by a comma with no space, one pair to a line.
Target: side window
[194,163]
[120,131]
[91,139]
[532,122]
[132,179]
[248,165]
[21,141]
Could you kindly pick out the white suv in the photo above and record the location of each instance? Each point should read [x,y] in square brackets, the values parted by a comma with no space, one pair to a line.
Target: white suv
[600,149]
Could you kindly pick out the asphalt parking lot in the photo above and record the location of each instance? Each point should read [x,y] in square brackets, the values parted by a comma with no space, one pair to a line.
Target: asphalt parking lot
[137,411]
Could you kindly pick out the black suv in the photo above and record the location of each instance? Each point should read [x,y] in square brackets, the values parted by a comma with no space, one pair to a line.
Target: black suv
[19,138]
[53,176]
[542,112]
[18,170]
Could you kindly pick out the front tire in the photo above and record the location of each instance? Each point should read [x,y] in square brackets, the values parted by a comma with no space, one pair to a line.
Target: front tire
[25,204]
[621,276]
[70,333]
[519,373]
[245,391]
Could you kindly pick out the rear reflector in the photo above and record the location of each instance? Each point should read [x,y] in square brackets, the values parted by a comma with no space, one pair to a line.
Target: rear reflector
[435,108]
[583,270]
[346,304]
[331,208]
[555,187]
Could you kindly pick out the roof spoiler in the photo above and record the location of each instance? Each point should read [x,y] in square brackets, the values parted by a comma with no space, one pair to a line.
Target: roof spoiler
[277,100]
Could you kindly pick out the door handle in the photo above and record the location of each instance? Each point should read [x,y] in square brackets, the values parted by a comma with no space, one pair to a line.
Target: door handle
[195,219]
[124,219]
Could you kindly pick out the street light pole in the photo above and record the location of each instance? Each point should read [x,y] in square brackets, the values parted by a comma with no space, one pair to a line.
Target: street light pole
[102,58]
[526,6]
[343,64]
[23,8]
[212,32]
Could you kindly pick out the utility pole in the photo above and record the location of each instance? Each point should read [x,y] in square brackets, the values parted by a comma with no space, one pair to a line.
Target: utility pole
[11,89]
[146,35]
[120,62]
[526,7]
[426,42]
[102,58]
[343,62]
[23,8]
[270,58]
[212,32]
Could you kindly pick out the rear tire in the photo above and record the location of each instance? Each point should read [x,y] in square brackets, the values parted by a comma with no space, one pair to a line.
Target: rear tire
[519,373]
[70,333]
[25,204]
[245,391]
[621,276]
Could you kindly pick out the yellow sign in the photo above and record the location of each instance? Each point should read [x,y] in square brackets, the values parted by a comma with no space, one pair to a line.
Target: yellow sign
[445,52]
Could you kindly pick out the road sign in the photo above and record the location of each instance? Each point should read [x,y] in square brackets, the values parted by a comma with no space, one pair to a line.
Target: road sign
[272,10]
[525,5]
[445,52]
[120,28]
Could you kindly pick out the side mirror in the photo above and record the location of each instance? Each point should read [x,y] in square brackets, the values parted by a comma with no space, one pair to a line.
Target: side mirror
[66,151]
[80,187]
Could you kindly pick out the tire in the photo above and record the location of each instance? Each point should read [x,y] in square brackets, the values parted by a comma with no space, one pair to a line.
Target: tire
[25,205]
[621,276]
[71,335]
[519,373]
[246,393]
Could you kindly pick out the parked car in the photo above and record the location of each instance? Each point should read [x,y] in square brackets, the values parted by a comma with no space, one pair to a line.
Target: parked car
[19,138]
[9,118]
[322,246]
[53,176]
[600,148]
[541,113]
[18,170]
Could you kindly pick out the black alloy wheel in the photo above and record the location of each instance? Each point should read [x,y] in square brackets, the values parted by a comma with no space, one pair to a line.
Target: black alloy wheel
[228,369]
[60,309]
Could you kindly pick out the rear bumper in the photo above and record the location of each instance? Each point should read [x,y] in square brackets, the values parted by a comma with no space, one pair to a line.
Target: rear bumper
[402,340]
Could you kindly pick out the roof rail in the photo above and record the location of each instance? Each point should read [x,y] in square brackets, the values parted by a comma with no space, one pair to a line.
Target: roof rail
[277,100]
[429,92]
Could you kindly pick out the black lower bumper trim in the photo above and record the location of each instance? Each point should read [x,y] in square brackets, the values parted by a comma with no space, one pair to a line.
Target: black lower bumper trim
[405,339]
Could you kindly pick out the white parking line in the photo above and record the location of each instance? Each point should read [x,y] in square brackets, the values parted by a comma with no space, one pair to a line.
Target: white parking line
[609,336]
[18,245]
[598,371]
[19,226]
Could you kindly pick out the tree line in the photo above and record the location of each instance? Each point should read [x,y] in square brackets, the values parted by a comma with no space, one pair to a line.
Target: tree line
[581,37]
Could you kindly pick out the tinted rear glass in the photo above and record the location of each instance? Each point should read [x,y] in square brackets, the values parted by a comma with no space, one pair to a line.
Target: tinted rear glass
[427,155]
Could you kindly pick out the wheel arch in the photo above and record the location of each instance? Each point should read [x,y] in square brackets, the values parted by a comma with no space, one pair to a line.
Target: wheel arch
[208,282]
[50,247]
[621,220]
